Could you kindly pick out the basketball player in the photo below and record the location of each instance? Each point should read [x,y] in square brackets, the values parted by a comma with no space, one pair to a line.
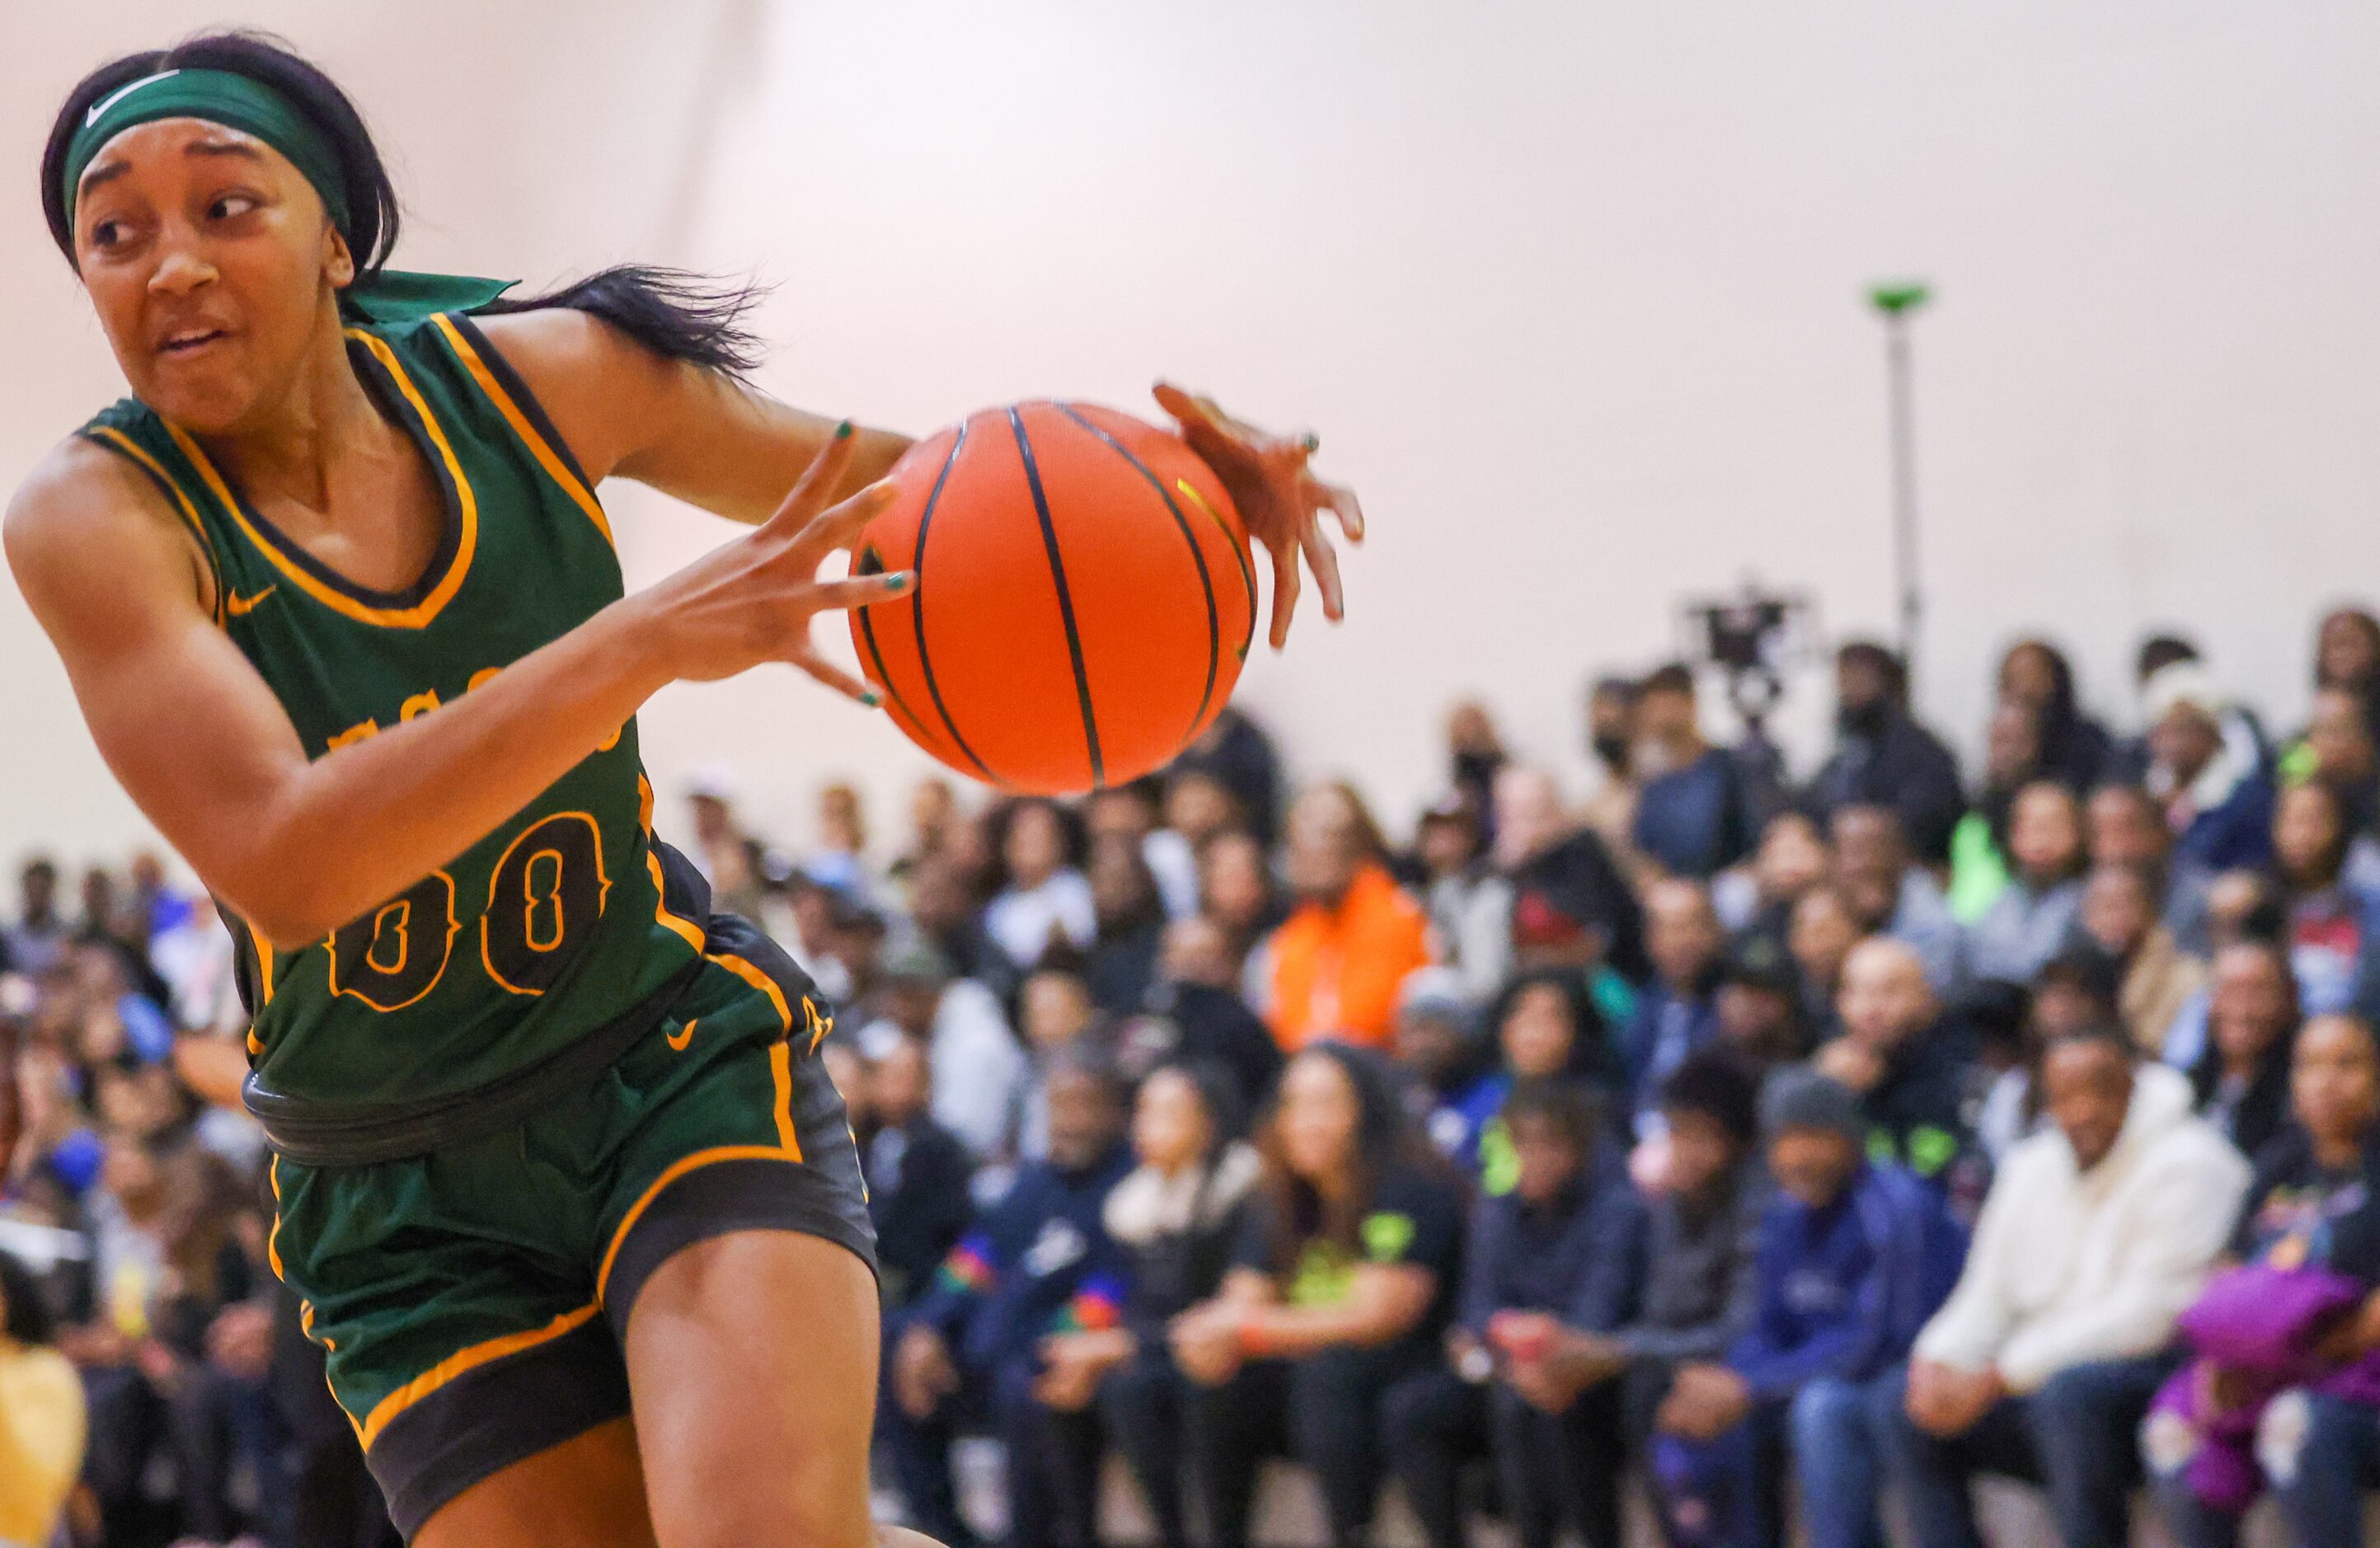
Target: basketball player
[341,606]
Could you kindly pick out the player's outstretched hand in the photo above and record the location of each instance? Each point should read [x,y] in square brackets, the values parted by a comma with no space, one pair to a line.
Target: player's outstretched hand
[1280,500]
[751,601]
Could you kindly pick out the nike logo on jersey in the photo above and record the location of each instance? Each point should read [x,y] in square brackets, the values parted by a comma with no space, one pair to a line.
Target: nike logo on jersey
[120,93]
[238,606]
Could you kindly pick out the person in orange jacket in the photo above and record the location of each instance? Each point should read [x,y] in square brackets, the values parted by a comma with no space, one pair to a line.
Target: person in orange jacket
[1336,962]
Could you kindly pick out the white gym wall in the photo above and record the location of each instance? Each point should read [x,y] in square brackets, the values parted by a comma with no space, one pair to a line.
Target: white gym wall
[1572,293]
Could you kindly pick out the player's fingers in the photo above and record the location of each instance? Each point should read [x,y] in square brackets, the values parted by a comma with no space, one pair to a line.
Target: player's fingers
[834,677]
[1342,501]
[1286,583]
[858,591]
[819,480]
[838,526]
[1325,562]
[1190,410]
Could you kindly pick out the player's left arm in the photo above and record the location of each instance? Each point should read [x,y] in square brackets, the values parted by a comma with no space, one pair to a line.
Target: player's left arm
[715,442]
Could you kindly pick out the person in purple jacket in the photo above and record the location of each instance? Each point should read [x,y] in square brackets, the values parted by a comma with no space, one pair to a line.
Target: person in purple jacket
[1854,1256]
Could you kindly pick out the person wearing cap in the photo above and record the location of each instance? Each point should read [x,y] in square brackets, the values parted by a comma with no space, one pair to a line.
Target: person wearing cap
[1757,1004]
[1852,1257]
[978,1067]
[2210,770]
[1449,1086]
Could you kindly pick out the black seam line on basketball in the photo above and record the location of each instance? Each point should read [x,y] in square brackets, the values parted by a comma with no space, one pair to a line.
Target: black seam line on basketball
[1248,576]
[917,606]
[1065,598]
[1197,557]
[873,564]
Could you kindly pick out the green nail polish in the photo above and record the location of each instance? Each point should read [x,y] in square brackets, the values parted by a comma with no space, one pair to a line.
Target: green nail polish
[872,700]
[842,431]
[899,580]
[1313,443]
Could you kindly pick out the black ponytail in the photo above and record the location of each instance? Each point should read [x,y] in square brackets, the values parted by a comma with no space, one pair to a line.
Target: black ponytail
[676,315]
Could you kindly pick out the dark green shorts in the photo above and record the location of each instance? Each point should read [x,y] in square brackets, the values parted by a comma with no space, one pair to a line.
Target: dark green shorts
[473,1301]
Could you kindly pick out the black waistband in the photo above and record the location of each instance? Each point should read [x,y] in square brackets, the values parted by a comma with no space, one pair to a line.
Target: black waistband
[363,1135]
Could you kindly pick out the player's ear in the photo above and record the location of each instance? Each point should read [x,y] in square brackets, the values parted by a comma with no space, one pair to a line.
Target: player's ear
[338,260]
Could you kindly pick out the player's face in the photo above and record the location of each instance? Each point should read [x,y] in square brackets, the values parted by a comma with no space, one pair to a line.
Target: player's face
[212,265]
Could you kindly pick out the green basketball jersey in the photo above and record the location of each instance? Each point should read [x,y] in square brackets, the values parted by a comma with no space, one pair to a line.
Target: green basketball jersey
[569,913]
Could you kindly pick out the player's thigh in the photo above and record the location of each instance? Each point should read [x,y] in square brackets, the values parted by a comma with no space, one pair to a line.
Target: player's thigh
[752,1373]
[587,1493]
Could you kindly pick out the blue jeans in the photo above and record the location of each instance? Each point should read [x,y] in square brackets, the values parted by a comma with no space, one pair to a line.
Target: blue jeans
[1834,1444]
[2075,1437]
[2319,1454]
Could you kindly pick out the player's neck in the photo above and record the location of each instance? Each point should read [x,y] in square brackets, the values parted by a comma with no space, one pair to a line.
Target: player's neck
[286,450]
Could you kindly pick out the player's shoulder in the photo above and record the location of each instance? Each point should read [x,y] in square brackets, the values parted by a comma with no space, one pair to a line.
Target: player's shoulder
[80,495]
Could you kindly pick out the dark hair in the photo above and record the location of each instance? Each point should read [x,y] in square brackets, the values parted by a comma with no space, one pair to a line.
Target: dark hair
[1590,1054]
[1670,677]
[1385,1140]
[1073,839]
[676,315]
[2333,859]
[2061,675]
[29,1319]
[1882,660]
[2160,651]
[1569,1109]
[1715,1083]
[2100,1034]
[1624,689]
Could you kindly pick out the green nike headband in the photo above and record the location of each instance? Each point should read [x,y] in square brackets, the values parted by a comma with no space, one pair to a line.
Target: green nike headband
[243,103]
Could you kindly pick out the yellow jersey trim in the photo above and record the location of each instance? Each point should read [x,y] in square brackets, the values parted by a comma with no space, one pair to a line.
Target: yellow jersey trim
[539,447]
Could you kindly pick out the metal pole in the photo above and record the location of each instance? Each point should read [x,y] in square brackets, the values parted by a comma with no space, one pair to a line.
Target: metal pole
[1904,482]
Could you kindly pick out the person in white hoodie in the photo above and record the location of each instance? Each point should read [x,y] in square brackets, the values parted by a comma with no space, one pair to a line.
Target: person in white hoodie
[2097,1234]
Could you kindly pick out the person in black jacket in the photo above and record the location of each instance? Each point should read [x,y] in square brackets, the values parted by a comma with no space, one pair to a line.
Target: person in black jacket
[1035,1263]
[916,1169]
[1911,1066]
[2240,1081]
[1884,757]
[1193,1014]
[1174,1221]
[1555,1248]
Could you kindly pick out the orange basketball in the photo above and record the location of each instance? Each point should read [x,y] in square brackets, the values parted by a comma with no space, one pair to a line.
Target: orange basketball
[1082,603]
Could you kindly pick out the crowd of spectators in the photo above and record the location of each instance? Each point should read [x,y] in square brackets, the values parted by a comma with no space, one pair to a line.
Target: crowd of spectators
[1779,1152]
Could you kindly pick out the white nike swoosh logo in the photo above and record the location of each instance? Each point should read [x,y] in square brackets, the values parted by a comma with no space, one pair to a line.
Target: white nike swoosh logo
[120,93]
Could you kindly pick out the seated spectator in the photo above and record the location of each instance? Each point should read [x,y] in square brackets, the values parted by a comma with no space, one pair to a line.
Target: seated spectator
[2241,1080]
[1447,1070]
[1690,1287]
[1792,859]
[1907,1063]
[1336,962]
[2073,993]
[1201,808]
[1131,813]
[41,1416]
[1056,1015]
[1890,895]
[1547,1028]
[840,860]
[1756,1007]
[1195,1014]
[1883,757]
[1235,755]
[1131,918]
[2126,826]
[2338,750]
[1692,817]
[1475,752]
[2075,750]
[2333,923]
[1675,1015]
[1235,891]
[2094,1238]
[2314,1208]
[978,1067]
[1552,1249]
[1852,1258]
[1035,1263]
[39,933]
[1979,845]
[1572,907]
[916,1171]
[933,811]
[2035,913]
[1822,933]
[2347,657]
[1174,1219]
[946,913]
[2209,767]
[1611,812]
[1044,902]
[2158,978]
[1470,906]
[1341,1288]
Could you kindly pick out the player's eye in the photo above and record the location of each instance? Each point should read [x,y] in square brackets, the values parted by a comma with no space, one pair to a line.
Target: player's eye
[106,234]
[228,205]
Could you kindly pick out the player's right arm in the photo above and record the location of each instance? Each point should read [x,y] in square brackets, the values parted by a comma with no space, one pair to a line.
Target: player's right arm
[298,847]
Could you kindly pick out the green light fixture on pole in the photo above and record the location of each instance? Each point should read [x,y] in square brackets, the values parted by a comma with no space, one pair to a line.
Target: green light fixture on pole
[1897,301]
